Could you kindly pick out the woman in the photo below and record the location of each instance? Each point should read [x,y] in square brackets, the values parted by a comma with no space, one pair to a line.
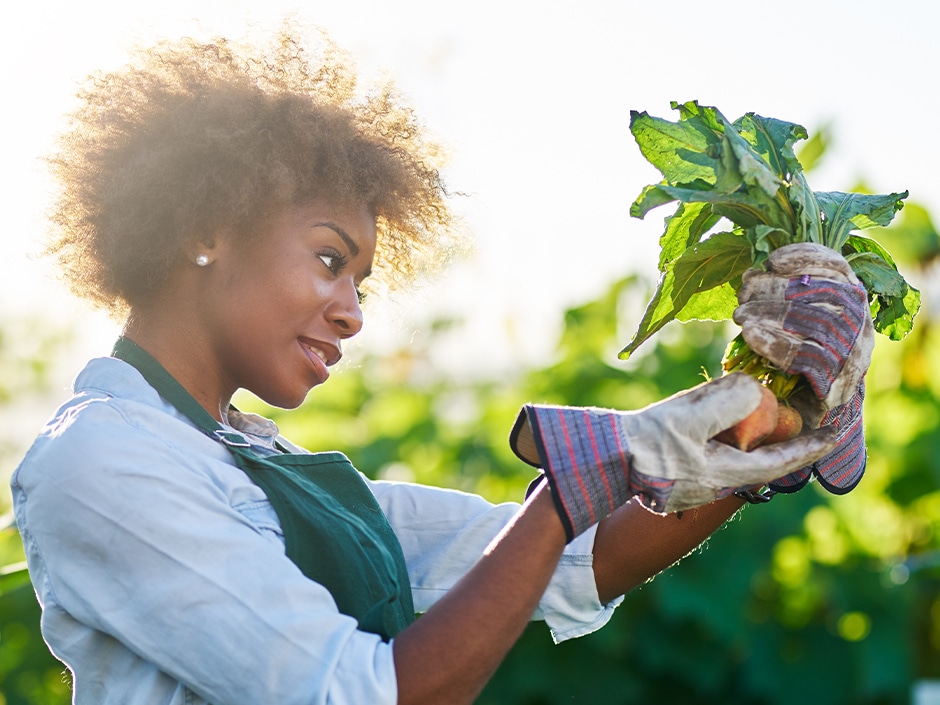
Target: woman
[230,204]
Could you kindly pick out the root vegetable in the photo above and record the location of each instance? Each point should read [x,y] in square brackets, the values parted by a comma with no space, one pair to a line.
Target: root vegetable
[789,425]
[748,433]
[772,421]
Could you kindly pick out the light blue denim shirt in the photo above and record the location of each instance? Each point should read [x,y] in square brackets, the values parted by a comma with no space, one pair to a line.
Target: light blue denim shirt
[161,569]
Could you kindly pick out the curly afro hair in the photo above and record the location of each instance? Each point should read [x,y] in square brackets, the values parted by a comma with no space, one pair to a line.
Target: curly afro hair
[191,138]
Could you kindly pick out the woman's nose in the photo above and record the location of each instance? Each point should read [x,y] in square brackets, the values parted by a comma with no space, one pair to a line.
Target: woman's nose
[346,314]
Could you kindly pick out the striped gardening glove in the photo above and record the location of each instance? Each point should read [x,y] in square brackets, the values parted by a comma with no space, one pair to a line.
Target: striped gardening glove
[595,460]
[808,314]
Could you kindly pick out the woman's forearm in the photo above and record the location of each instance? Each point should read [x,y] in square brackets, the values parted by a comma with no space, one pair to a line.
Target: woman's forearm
[633,544]
[449,653]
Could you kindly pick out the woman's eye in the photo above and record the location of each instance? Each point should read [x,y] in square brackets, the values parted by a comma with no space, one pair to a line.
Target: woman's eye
[333,261]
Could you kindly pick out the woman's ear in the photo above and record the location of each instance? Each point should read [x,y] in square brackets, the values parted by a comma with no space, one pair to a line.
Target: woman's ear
[203,251]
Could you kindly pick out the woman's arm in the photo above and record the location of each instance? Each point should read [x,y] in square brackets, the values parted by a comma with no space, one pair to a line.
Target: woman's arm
[633,544]
[449,654]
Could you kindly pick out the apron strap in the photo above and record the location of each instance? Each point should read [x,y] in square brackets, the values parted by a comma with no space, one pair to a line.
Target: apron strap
[171,390]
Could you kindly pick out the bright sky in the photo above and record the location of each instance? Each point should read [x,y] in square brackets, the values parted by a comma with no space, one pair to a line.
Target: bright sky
[533,99]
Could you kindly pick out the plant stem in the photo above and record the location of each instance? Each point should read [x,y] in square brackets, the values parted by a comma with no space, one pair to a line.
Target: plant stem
[740,358]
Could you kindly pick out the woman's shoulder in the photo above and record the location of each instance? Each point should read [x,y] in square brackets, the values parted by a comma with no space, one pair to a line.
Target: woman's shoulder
[110,401]
[113,419]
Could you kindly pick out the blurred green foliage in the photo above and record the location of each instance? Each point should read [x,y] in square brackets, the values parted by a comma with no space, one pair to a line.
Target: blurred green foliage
[810,598]
[29,675]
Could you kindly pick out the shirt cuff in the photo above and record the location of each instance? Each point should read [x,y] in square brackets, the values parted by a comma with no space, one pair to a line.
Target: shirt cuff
[365,673]
[570,605]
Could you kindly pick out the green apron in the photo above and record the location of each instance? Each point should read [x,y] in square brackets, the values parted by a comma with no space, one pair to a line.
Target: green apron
[333,527]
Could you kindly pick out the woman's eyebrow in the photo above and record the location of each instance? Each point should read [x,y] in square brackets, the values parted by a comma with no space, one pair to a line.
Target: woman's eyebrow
[350,243]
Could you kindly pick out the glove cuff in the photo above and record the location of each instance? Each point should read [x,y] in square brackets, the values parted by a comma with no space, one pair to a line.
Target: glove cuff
[586,461]
[840,471]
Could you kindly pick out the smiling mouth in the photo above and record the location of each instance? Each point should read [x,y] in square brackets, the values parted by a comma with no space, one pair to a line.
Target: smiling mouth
[328,356]
[316,351]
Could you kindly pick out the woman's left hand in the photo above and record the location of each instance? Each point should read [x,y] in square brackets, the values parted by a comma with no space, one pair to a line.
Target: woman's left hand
[808,314]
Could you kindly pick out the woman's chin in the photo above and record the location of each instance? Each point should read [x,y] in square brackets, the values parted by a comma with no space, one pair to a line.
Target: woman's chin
[286,399]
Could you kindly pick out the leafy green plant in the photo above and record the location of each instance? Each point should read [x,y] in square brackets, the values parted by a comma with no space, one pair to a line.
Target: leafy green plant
[12,561]
[746,173]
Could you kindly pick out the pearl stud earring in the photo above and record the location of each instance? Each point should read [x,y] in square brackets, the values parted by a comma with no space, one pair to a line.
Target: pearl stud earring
[202,260]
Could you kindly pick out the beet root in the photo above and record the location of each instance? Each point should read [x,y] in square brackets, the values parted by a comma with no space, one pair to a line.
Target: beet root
[748,433]
[789,425]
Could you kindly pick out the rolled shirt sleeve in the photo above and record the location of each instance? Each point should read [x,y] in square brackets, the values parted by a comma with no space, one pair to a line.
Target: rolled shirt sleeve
[444,532]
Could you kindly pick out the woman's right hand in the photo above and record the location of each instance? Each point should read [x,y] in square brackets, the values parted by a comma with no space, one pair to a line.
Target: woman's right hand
[595,460]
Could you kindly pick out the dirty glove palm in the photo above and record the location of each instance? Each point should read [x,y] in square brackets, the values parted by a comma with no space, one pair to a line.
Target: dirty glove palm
[597,459]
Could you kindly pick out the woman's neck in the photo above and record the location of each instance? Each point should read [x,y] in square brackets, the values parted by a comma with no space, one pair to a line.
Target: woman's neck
[176,344]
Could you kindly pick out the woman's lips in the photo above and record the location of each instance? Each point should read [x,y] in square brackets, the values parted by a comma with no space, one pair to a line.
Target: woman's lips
[318,357]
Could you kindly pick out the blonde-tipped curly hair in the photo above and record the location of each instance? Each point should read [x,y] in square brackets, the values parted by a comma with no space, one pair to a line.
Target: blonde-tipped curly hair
[190,138]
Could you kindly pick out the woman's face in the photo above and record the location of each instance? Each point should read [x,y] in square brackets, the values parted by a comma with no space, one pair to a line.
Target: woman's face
[279,307]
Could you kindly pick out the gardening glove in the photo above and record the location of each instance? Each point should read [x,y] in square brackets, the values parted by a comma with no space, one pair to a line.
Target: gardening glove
[808,314]
[595,460]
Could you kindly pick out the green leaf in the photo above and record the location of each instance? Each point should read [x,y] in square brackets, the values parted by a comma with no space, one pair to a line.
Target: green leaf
[859,244]
[650,197]
[894,301]
[740,208]
[755,172]
[913,237]
[730,178]
[808,225]
[704,117]
[878,276]
[813,151]
[773,140]
[704,154]
[716,304]
[706,120]
[748,172]
[659,311]
[845,212]
[894,316]
[720,259]
[684,229]
[681,151]
[765,239]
